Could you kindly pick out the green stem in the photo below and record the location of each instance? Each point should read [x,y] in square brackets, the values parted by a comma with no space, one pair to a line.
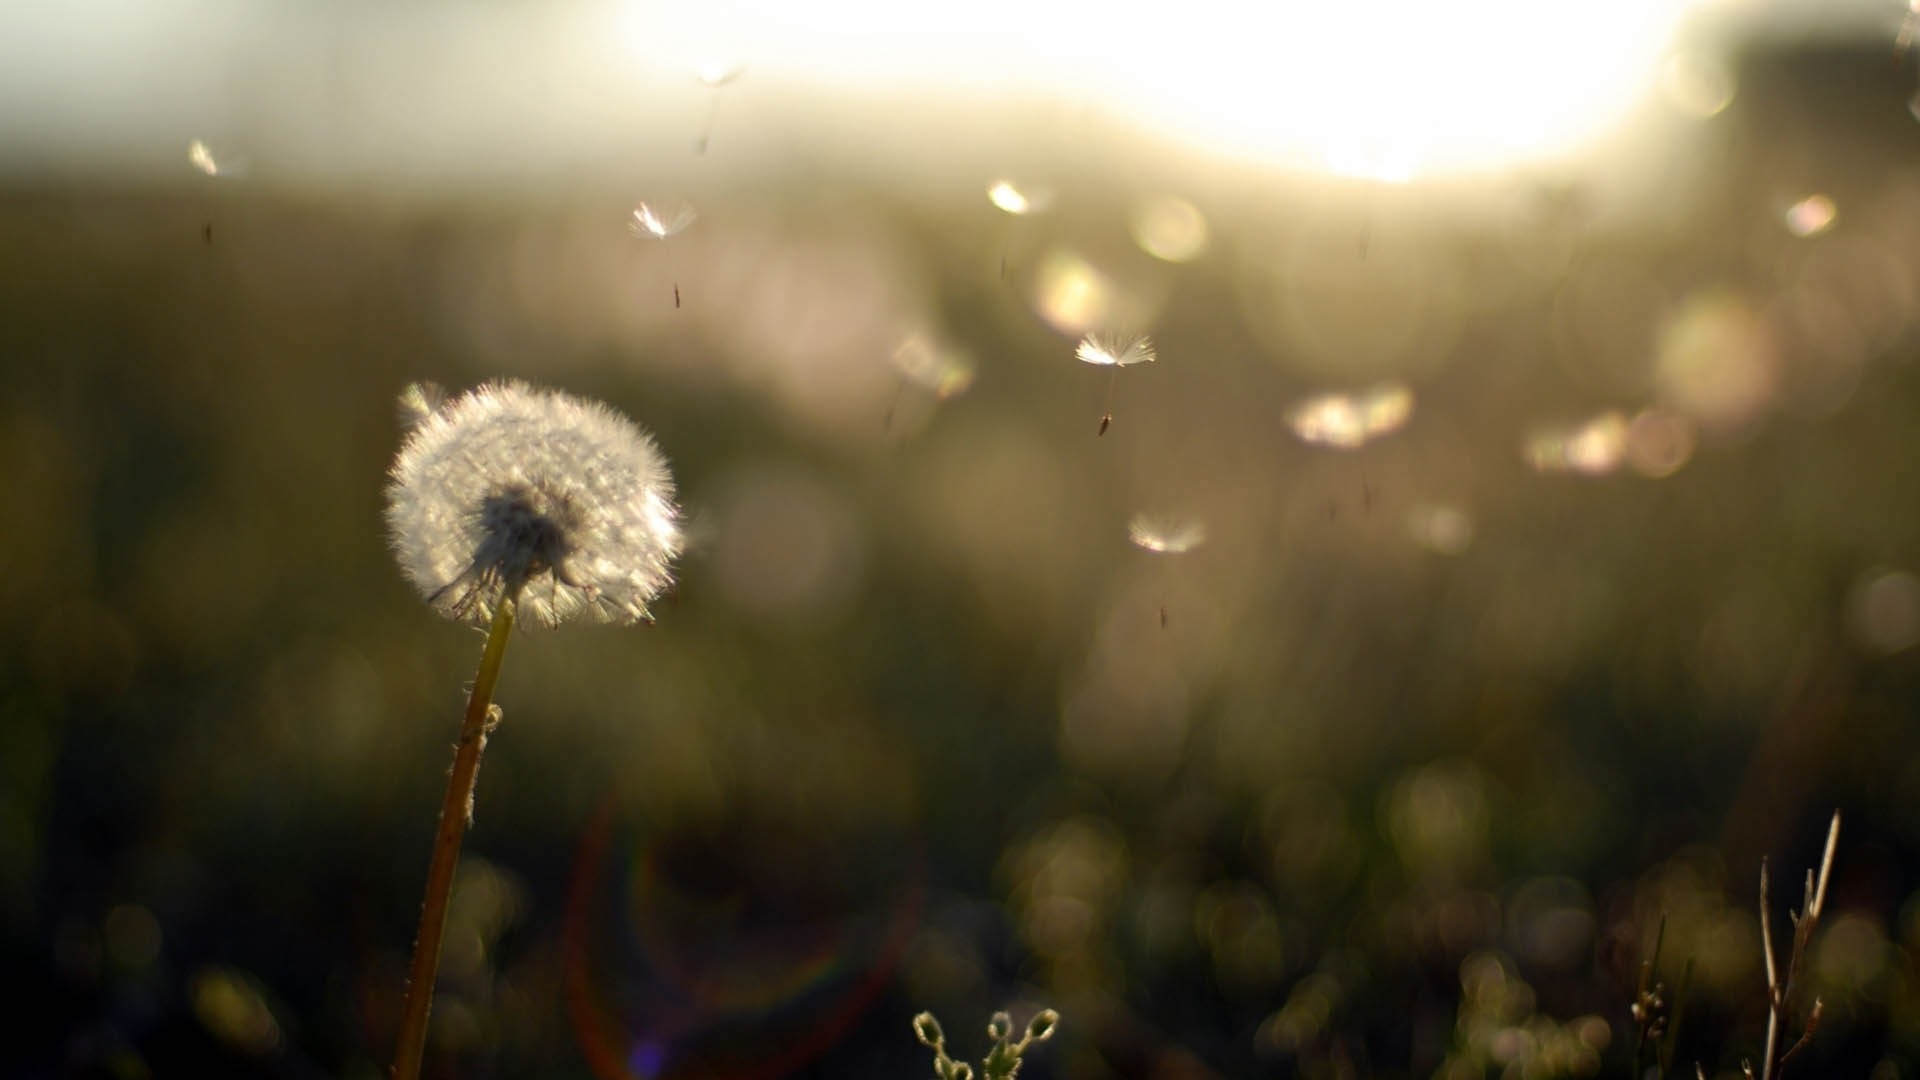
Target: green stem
[456,814]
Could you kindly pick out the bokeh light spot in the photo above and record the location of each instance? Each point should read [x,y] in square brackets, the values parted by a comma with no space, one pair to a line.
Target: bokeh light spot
[234,1008]
[1593,448]
[1169,229]
[1071,294]
[1446,530]
[1811,216]
[1348,421]
[132,937]
[1884,611]
[1659,443]
[1718,361]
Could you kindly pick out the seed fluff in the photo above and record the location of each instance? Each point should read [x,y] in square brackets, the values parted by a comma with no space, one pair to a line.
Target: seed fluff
[517,489]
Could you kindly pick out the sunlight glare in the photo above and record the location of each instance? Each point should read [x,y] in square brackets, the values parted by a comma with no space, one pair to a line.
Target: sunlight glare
[1386,89]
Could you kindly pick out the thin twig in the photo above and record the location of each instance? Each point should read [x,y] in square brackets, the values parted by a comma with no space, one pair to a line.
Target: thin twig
[1813,1025]
[1766,936]
[1805,922]
[1826,868]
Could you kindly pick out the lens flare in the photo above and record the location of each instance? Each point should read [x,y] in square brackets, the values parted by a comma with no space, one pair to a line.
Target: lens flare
[698,956]
[1169,229]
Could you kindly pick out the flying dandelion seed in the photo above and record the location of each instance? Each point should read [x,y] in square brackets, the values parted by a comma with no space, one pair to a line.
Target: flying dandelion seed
[1017,203]
[200,156]
[420,402]
[713,75]
[1348,421]
[652,221]
[1116,352]
[658,222]
[1165,536]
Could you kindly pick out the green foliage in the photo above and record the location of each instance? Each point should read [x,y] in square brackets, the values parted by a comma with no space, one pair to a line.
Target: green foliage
[1002,1061]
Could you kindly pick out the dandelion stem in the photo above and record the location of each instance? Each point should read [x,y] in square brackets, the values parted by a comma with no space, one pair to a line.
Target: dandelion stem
[456,814]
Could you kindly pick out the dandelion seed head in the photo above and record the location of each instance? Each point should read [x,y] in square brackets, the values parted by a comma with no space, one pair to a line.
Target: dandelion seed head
[515,488]
[419,402]
[1167,536]
[201,157]
[1114,350]
[657,222]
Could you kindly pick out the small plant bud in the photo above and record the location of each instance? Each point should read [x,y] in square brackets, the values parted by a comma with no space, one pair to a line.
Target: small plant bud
[1040,1029]
[927,1030]
[1000,1028]
[961,1071]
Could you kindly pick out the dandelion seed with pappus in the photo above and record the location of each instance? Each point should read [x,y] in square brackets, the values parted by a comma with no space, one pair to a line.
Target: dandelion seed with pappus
[1115,352]
[511,498]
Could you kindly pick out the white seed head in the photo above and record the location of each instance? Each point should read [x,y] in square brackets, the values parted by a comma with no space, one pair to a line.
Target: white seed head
[1113,350]
[515,488]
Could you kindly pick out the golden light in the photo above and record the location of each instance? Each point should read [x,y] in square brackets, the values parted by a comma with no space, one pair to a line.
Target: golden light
[1388,89]
[1697,84]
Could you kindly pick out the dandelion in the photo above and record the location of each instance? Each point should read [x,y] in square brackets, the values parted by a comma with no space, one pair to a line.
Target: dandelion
[658,222]
[505,498]
[1114,351]
[513,489]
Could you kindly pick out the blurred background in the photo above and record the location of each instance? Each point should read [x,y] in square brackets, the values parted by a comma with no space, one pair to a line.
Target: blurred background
[1514,540]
